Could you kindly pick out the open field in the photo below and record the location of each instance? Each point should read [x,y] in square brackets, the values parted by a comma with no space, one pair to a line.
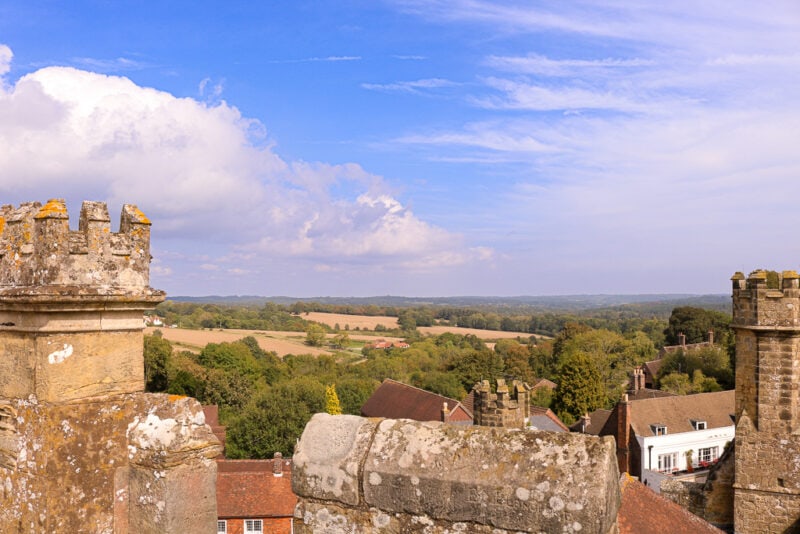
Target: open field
[369,321]
[353,321]
[282,343]
[481,334]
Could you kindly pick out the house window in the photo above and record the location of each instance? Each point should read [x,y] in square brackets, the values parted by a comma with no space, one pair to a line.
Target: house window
[667,462]
[660,430]
[222,527]
[252,526]
[708,455]
[699,425]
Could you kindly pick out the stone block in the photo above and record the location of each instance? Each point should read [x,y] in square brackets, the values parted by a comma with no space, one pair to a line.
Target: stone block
[327,460]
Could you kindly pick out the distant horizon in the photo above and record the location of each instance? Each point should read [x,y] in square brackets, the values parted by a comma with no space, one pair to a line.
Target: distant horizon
[491,147]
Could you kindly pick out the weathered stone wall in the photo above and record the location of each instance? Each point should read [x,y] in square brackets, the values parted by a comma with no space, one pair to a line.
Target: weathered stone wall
[767,482]
[507,407]
[364,475]
[82,448]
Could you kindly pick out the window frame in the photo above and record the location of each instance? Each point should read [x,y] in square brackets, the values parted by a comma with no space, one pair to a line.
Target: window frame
[665,466]
[699,424]
[708,454]
[659,429]
[224,524]
[253,526]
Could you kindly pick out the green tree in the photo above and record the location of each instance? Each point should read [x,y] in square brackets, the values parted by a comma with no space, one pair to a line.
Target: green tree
[695,323]
[332,405]
[341,340]
[580,389]
[315,335]
[353,393]
[274,419]
[472,366]
[157,354]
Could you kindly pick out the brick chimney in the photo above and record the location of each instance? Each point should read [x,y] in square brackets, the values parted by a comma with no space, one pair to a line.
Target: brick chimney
[623,434]
[710,337]
[277,465]
[586,422]
[682,339]
[445,412]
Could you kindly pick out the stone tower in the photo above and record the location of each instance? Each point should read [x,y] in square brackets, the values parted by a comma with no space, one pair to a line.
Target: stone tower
[508,407]
[767,325]
[82,448]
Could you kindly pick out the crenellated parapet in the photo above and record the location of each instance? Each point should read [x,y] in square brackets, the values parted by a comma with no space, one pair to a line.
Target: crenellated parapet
[507,407]
[38,249]
[757,306]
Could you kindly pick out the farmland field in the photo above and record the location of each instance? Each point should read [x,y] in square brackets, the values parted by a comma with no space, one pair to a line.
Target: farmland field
[482,334]
[369,321]
[353,321]
[282,343]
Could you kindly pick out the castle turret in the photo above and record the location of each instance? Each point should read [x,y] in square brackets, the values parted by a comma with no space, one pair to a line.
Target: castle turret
[71,302]
[767,325]
[82,447]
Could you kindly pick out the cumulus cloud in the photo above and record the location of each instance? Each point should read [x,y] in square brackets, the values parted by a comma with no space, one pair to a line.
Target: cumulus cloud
[204,172]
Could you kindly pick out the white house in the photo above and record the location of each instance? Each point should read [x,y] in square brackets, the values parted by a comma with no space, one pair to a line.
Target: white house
[661,436]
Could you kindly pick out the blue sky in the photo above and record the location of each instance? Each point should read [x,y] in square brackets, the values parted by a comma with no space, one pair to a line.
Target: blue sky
[418,148]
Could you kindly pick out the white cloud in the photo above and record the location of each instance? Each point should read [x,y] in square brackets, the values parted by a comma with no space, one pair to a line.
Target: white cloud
[539,64]
[411,86]
[202,172]
[119,64]
[5,59]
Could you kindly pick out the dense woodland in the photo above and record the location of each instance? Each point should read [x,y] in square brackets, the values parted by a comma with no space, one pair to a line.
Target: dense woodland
[266,401]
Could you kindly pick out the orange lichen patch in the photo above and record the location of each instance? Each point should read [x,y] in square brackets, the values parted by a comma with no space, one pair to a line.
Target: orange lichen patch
[2,224]
[176,398]
[54,209]
[141,217]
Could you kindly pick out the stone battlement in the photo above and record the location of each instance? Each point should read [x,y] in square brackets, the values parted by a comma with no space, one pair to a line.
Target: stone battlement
[756,306]
[37,249]
[508,407]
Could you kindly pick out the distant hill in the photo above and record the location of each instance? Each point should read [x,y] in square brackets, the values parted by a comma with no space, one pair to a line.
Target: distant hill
[563,303]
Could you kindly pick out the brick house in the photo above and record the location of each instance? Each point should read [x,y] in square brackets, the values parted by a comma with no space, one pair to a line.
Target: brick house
[255,496]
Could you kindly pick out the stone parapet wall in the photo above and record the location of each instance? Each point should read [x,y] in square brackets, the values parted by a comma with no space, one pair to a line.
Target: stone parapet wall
[353,474]
[124,464]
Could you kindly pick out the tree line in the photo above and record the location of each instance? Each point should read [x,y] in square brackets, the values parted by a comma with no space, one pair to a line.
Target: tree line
[265,401]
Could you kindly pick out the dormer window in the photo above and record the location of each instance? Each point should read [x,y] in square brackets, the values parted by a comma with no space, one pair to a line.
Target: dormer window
[659,429]
[699,425]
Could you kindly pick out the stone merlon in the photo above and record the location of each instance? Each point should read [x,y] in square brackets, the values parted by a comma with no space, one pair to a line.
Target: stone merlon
[400,474]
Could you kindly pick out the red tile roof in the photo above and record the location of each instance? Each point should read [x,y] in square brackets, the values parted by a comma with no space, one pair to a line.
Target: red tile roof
[249,489]
[643,511]
[395,400]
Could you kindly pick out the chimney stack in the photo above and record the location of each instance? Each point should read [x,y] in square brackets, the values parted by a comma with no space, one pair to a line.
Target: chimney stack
[682,339]
[445,412]
[277,465]
[710,337]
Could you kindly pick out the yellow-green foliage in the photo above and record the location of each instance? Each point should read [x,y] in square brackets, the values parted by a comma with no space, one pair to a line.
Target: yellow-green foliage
[332,405]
